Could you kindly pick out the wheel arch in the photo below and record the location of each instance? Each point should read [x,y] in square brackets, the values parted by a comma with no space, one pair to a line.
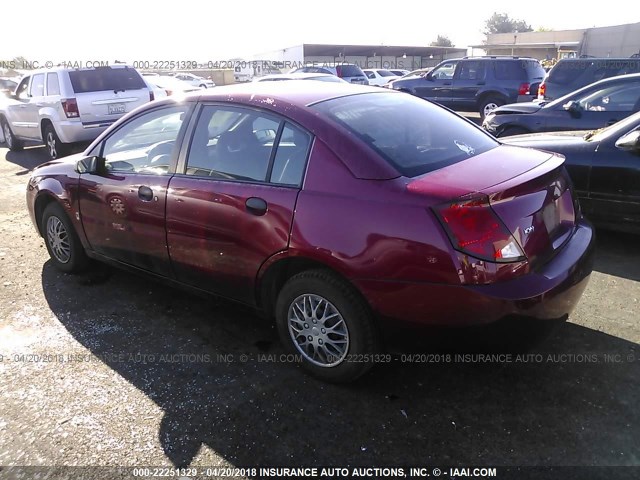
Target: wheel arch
[482,96]
[41,202]
[277,270]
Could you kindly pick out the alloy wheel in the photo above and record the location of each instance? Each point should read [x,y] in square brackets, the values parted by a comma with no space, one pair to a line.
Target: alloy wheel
[58,239]
[318,330]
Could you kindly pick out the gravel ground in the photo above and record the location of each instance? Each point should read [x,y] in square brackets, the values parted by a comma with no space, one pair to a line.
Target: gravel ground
[108,369]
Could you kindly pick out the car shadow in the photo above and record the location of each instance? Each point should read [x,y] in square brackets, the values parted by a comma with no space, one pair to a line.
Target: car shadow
[617,254]
[32,156]
[28,159]
[224,385]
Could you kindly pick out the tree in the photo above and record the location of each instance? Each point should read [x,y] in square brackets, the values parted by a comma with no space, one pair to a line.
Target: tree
[502,23]
[442,41]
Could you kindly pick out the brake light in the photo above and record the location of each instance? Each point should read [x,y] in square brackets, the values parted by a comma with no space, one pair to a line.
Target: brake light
[70,107]
[524,89]
[152,97]
[476,230]
[542,90]
[338,71]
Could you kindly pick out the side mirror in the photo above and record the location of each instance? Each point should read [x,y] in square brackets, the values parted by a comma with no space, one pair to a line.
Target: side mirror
[94,165]
[630,141]
[573,108]
[428,76]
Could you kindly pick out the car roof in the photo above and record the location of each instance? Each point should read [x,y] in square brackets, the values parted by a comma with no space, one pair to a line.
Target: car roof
[300,94]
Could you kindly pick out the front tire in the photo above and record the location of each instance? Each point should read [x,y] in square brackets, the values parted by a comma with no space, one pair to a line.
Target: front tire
[63,244]
[55,148]
[10,139]
[323,320]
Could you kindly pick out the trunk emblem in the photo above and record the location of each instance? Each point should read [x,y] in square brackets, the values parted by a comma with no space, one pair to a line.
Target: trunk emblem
[529,230]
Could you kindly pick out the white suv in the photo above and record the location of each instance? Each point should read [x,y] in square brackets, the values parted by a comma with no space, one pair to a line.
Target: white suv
[60,106]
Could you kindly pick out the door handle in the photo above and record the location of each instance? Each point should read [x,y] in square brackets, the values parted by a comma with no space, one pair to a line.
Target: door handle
[447,83]
[481,83]
[611,122]
[256,206]
[145,193]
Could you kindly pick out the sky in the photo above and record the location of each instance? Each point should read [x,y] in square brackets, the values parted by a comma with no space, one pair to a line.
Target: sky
[78,30]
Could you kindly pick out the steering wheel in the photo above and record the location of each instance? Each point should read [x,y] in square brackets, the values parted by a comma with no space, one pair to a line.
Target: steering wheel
[161,148]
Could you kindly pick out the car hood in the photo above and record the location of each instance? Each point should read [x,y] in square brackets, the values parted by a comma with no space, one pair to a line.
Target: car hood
[548,141]
[525,107]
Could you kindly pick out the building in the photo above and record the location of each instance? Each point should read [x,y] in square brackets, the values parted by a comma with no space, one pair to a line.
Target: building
[366,56]
[614,41]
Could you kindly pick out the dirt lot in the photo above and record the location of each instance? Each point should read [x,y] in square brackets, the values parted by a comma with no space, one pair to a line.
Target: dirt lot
[112,369]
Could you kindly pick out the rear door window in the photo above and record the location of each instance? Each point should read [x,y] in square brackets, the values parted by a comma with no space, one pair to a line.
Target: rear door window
[105,79]
[37,85]
[232,143]
[53,85]
[471,70]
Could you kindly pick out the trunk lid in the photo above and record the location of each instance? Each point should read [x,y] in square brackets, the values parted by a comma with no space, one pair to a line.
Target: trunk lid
[527,189]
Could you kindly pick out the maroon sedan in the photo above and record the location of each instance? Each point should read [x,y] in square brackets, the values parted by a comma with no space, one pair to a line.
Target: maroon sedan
[337,209]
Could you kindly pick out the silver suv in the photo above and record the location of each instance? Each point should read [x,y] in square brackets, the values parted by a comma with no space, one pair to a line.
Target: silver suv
[61,106]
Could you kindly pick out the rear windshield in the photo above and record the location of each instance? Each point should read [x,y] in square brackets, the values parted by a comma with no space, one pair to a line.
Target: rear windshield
[103,79]
[413,135]
[349,71]
[518,70]
[568,71]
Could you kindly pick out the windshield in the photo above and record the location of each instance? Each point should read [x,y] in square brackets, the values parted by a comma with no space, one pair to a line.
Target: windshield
[413,135]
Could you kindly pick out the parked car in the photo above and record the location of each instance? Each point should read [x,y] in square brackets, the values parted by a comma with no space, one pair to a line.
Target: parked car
[321,77]
[171,85]
[477,83]
[605,168]
[194,80]
[597,105]
[7,85]
[61,106]
[378,76]
[399,72]
[570,74]
[340,210]
[347,71]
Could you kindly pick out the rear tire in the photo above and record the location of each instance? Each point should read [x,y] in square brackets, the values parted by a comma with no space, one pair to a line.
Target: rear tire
[14,144]
[55,148]
[63,244]
[323,320]
[488,104]
[507,132]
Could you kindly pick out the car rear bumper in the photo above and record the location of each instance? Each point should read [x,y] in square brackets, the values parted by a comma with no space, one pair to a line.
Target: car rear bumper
[550,293]
[76,131]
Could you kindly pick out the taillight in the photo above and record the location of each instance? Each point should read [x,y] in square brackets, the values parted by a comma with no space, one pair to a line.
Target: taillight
[524,89]
[338,71]
[70,107]
[152,97]
[542,90]
[476,230]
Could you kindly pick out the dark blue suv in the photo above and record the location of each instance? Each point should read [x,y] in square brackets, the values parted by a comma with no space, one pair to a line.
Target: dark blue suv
[477,83]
